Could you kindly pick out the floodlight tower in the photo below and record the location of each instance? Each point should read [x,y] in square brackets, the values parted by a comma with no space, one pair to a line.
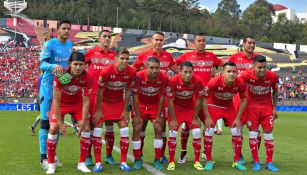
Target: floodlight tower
[15,7]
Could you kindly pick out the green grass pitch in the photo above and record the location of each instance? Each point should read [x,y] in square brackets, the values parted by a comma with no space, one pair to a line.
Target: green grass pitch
[19,151]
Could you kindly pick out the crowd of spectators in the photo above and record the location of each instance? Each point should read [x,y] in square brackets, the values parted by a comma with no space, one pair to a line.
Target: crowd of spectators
[19,69]
[293,88]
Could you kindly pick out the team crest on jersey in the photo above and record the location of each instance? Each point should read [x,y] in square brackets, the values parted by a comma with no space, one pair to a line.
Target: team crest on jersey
[159,82]
[45,47]
[112,76]
[267,82]
[220,88]
[143,82]
[249,123]
[235,88]
[126,76]
[251,80]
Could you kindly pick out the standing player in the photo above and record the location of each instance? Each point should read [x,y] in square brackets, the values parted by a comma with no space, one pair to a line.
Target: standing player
[69,99]
[219,104]
[261,109]
[97,58]
[149,94]
[203,63]
[53,59]
[115,84]
[244,61]
[166,62]
[184,92]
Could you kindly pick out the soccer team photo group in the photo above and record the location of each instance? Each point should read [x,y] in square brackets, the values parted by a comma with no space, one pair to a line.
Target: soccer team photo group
[177,104]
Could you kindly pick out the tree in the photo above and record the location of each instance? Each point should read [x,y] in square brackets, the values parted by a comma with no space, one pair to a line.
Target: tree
[257,19]
[227,17]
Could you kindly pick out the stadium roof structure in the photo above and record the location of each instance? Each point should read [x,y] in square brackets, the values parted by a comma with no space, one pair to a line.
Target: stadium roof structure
[279,7]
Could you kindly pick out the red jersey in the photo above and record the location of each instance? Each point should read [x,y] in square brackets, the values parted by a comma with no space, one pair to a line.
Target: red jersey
[149,92]
[166,59]
[115,83]
[73,92]
[184,94]
[259,90]
[219,94]
[202,63]
[97,59]
[242,62]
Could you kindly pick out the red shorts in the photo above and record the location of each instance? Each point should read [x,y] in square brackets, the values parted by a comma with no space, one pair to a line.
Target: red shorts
[111,111]
[184,116]
[147,112]
[260,116]
[236,102]
[228,114]
[74,110]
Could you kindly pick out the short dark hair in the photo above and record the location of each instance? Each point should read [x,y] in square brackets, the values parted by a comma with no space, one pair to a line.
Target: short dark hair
[100,33]
[158,33]
[123,50]
[153,60]
[186,64]
[260,59]
[65,21]
[199,34]
[229,64]
[248,36]
[76,56]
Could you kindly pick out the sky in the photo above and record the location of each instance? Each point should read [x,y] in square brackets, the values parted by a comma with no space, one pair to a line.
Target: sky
[298,5]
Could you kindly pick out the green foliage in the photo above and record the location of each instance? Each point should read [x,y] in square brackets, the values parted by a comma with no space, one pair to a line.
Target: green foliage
[182,16]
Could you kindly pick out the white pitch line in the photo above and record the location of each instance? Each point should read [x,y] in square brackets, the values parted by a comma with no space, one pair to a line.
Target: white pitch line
[146,166]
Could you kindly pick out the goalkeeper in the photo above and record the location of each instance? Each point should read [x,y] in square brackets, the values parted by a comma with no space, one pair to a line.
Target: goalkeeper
[53,60]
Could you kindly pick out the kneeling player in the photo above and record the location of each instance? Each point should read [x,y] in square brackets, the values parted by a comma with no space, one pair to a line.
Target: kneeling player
[184,92]
[219,104]
[69,99]
[149,95]
[115,84]
[260,109]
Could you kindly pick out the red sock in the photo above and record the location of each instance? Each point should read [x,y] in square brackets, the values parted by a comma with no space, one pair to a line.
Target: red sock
[163,146]
[136,149]
[84,145]
[237,146]
[269,149]
[89,148]
[259,139]
[158,148]
[109,138]
[184,138]
[97,148]
[208,142]
[142,144]
[124,146]
[51,149]
[197,148]
[171,148]
[253,145]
